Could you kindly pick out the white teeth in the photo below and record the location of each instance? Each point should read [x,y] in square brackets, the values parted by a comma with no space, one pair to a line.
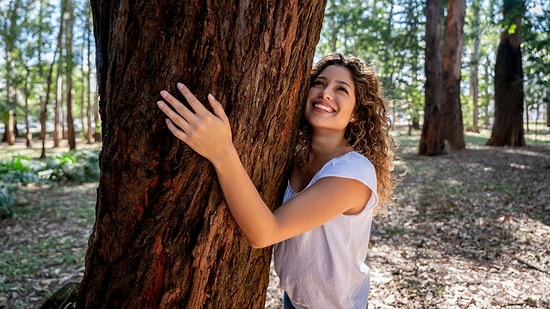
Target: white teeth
[324,107]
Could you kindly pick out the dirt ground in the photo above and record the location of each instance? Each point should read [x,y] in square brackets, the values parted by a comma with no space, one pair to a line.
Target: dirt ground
[472,230]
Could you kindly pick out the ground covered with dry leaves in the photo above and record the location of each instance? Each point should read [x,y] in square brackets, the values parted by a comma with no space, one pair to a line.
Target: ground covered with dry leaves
[472,230]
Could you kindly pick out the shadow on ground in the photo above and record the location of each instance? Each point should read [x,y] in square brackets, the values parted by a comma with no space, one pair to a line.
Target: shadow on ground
[471,231]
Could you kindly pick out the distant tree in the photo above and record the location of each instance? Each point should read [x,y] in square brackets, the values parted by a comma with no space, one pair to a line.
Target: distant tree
[10,32]
[26,92]
[87,101]
[508,121]
[442,110]
[431,142]
[163,237]
[68,17]
[451,124]
[48,84]
[475,59]
[535,37]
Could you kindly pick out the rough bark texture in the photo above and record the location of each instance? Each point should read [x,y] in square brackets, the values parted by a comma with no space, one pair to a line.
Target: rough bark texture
[430,140]
[452,127]
[163,236]
[508,124]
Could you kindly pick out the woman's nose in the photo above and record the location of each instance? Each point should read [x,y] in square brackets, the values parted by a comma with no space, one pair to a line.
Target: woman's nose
[326,93]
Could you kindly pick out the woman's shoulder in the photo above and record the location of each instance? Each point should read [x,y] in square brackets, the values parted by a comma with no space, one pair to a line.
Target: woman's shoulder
[350,165]
[352,159]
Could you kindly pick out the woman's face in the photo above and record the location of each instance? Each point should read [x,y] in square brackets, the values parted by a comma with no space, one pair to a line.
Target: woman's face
[331,99]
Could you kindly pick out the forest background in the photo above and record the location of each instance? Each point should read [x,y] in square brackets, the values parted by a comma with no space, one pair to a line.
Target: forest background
[48,77]
[48,95]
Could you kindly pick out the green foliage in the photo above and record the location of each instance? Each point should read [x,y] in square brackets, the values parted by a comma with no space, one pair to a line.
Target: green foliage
[20,171]
[536,55]
[74,166]
[6,201]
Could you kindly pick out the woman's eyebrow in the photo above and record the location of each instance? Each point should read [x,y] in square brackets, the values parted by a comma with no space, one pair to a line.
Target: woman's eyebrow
[338,81]
[343,82]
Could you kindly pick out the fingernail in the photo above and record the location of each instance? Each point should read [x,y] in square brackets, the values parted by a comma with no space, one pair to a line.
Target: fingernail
[181,86]
[160,104]
[164,93]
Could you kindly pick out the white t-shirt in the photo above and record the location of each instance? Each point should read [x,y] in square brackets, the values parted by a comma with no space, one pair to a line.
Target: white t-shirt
[324,267]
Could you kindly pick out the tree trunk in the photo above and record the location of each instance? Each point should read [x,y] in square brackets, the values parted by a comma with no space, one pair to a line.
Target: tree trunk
[87,77]
[69,65]
[508,123]
[474,65]
[10,34]
[163,236]
[452,126]
[57,126]
[487,94]
[57,130]
[44,105]
[11,103]
[26,91]
[431,143]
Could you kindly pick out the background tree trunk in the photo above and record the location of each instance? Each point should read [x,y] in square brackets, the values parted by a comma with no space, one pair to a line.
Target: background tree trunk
[431,142]
[69,65]
[474,64]
[548,109]
[163,236]
[508,123]
[27,93]
[452,127]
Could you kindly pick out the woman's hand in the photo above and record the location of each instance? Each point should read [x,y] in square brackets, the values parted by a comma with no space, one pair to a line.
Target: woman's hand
[206,133]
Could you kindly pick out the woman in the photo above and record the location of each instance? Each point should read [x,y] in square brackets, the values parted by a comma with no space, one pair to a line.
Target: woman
[340,179]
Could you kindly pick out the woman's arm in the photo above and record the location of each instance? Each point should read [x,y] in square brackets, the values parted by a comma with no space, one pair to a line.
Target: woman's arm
[210,136]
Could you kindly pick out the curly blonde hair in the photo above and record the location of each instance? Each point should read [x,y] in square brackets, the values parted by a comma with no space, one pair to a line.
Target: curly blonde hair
[370,133]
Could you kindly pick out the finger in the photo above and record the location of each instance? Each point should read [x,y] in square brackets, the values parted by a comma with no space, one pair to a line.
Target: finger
[176,131]
[175,118]
[192,100]
[177,105]
[217,108]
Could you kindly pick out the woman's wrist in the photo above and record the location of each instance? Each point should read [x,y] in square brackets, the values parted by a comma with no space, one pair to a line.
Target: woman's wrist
[225,158]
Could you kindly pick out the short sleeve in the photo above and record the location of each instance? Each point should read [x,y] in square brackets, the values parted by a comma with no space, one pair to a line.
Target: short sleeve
[352,165]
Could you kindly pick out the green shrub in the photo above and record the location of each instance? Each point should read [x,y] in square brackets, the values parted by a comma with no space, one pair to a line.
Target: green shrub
[20,171]
[6,201]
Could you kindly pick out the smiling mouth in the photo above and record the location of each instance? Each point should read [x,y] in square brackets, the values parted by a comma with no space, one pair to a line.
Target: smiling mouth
[323,107]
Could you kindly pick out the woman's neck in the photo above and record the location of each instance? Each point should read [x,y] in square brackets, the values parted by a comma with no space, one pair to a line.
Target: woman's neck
[327,146]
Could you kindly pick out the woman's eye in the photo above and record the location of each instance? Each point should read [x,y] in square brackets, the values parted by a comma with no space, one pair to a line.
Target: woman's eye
[317,82]
[343,89]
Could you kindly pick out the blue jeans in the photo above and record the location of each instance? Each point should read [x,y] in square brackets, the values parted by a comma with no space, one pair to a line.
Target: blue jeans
[286,302]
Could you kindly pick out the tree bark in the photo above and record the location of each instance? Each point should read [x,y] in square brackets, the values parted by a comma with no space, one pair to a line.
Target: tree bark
[431,143]
[163,236]
[452,126]
[508,123]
